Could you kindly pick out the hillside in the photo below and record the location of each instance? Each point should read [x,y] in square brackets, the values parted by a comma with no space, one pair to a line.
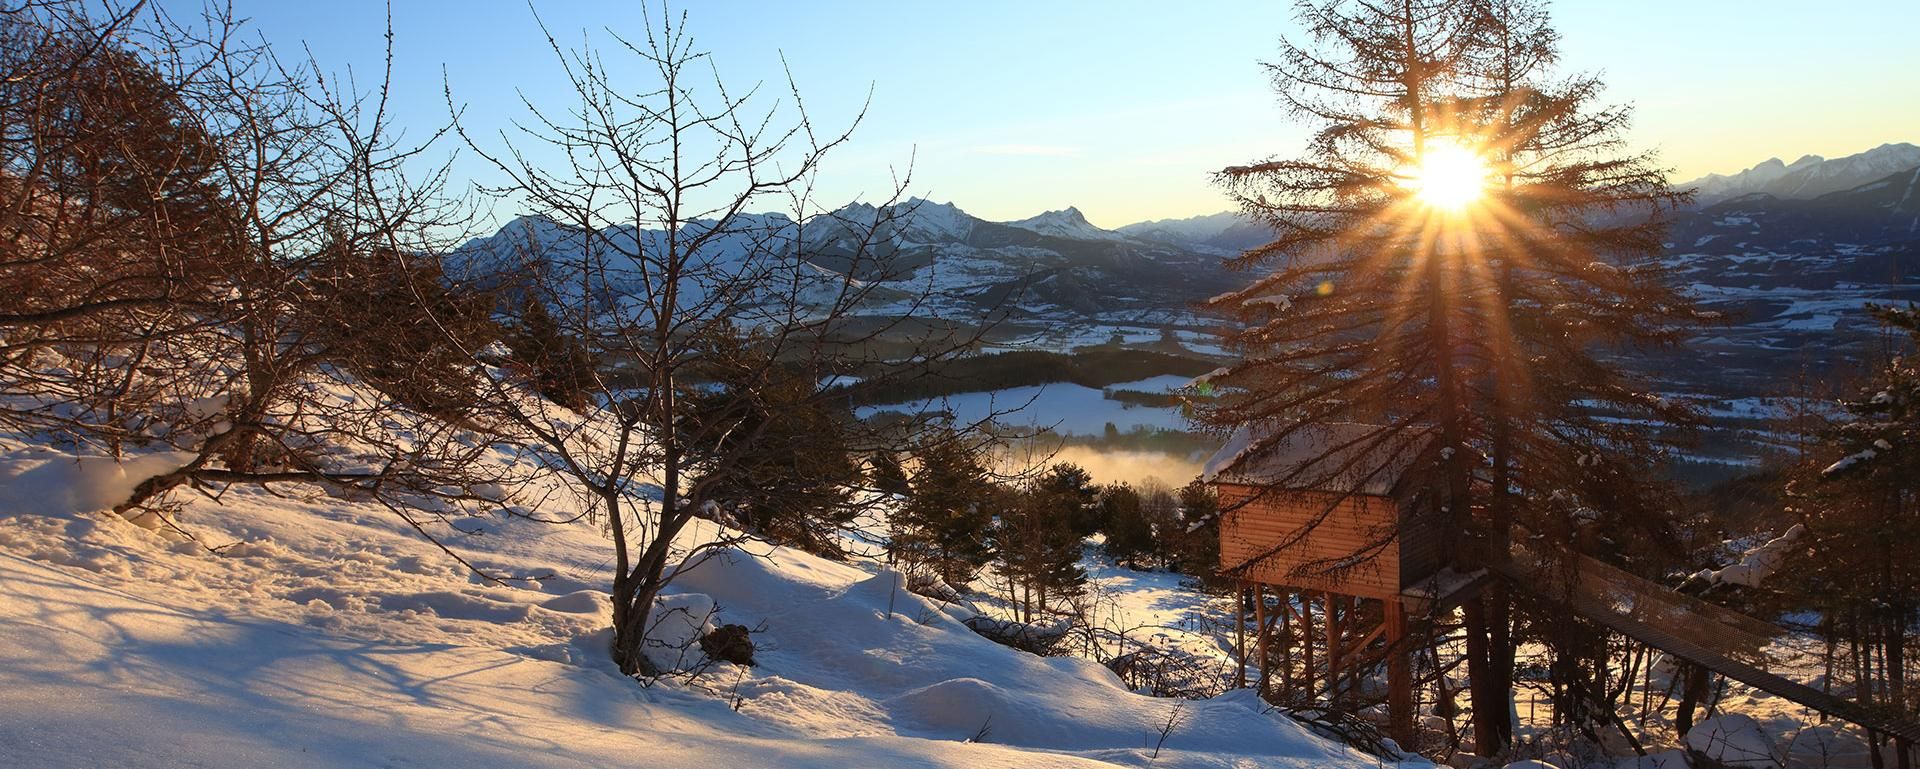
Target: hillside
[325,633]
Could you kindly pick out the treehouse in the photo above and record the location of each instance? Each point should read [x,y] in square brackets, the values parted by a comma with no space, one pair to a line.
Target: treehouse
[1329,515]
[1328,508]
[1342,566]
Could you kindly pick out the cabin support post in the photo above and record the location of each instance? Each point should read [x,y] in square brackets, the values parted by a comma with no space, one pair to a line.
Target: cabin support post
[1399,676]
[1286,644]
[1240,634]
[1260,635]
[1333,647]
[1306,642]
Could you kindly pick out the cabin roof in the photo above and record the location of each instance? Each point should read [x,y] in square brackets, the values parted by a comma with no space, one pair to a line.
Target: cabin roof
[1343,457]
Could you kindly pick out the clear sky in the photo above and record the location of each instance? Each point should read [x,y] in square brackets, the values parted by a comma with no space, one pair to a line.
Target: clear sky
[1123,108]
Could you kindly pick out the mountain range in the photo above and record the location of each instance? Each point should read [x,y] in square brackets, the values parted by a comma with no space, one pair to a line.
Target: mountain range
[1059,280]
[1810,176]
[1788,253]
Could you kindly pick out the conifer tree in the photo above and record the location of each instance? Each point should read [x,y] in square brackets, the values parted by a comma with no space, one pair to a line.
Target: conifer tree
[1457,246]
[1073,496]
[1197,543]
[885,473]
[790,472]
[1129,532]
[947,520]
[1038,549]
[558,363]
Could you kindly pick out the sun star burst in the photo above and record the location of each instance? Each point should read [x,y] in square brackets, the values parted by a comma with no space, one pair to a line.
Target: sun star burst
[1448,177]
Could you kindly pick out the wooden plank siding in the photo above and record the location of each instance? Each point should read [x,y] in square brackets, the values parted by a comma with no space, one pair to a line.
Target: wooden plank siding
[1255,524]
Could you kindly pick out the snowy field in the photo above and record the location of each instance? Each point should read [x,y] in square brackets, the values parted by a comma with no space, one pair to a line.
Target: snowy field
[325,634]
[1066,408]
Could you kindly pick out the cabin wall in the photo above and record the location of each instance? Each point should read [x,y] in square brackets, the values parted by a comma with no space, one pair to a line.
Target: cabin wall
[1254,523]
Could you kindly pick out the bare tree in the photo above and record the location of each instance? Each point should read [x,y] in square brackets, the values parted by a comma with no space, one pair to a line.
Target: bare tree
[192,232]
[640,240]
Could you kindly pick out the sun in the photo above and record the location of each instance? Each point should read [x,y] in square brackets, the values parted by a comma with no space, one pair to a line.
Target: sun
[1448,177]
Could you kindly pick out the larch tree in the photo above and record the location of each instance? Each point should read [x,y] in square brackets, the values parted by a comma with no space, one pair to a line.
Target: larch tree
[1459,246]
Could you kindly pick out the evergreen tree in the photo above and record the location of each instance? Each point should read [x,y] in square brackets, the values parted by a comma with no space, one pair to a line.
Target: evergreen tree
[886,474]
[398,323]
[792,473]
[1074,497]
[1129,532]
[558,363]
[947,522]
[1861,508]
[1038,549]
[1196,544]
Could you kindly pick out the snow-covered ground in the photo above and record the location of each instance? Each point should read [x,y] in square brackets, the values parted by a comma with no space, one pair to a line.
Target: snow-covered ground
[1066,408]
[325,633]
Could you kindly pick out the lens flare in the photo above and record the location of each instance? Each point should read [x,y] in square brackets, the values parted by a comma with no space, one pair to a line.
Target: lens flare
[1448,177]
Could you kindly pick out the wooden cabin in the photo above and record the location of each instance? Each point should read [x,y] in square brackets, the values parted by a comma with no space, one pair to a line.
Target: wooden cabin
[1327,514]
[1328,508]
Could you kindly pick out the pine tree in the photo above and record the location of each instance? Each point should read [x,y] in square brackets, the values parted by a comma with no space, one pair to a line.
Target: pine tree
[1861,510]
[1196,545]
[398,323]
[1038,549]
[885,473]
[793,473]
[1073,495]
[948,518]
[1129,532]
[558,363]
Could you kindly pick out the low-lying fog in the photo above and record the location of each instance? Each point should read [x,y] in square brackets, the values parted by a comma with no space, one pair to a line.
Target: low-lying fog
[1133,467]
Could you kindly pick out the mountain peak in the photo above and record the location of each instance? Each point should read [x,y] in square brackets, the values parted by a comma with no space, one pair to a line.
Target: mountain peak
[1065,223]
[1808,177]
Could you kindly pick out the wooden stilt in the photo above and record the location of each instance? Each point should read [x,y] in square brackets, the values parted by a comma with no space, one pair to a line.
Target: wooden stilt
[1260,635]
[1399,675]
[1240,635]
[1334,660]
[1306,643]
[1286,644]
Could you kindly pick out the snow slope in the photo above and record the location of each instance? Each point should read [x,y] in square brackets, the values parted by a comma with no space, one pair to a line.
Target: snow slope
[325,633]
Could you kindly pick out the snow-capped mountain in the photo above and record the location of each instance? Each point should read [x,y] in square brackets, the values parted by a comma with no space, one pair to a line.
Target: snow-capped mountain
[1054,272]
[1068,223]
[1808,177]
[1227,232]
[749,263]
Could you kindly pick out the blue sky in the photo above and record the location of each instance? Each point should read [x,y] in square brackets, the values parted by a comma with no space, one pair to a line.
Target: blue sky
[1122,108]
